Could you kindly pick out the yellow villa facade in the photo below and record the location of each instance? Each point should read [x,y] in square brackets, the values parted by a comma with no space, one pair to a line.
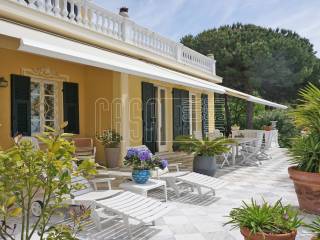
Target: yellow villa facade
[74,61]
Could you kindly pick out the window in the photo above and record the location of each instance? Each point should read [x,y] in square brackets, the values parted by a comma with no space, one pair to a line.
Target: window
[193,114]
[43,105]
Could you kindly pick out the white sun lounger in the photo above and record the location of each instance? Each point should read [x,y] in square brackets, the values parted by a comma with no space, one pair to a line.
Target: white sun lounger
[192,179]
[122,204]
[129,205]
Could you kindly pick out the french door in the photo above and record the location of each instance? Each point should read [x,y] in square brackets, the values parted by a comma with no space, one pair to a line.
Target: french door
[161,109]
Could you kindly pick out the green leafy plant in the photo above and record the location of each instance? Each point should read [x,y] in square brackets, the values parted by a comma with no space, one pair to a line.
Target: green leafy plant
[204,147]
[285,125]
[315,227]
[70,231]
[26,172]
[265,218]
[305,149]
[109,138]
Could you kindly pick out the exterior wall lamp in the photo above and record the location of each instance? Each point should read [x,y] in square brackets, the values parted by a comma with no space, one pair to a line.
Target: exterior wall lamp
[3,82]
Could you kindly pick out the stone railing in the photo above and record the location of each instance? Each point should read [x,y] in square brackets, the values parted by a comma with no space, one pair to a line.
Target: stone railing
[87,14]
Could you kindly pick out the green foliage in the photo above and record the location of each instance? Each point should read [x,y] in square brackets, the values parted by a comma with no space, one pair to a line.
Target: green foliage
[109,138]
[265,218]
[253,58]
[307,113]
[306,148]
[26,172]
[69,232]
[204,147]
[285,125]
[315,227]
[306,153]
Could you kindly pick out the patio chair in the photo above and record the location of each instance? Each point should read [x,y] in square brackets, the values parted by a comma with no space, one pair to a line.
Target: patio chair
[224,156]
[85,148]
[251,152]
[193,180]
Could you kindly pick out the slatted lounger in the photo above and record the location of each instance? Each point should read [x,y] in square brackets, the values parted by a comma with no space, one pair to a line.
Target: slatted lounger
[129,205]
[194,180]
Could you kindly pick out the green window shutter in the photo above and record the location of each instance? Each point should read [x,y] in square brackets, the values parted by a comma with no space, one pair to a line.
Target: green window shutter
[204,114]
[71,107]
[20,105]
[181,113]
[149,116]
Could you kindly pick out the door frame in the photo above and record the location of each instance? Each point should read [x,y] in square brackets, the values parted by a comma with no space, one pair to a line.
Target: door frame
[161,148]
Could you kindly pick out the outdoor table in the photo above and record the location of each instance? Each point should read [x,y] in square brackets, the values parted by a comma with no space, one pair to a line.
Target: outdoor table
[235,146]
[144,188]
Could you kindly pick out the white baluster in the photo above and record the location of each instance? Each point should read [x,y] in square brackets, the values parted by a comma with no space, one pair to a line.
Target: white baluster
[103,23]
[72,14]
[49,6]
[56,8]
[98,21]
[79,13]
[65,9]
[91,18]
[40,4]
[85,18]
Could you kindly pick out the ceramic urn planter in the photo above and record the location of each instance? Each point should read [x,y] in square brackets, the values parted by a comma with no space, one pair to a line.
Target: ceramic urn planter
[260,236]
[307,186]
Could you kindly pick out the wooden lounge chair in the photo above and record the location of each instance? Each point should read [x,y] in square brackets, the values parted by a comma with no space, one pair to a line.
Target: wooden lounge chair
[194,180]
[85,148]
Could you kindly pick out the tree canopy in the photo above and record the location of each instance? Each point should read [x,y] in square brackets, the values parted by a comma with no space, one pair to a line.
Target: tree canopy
[273,62]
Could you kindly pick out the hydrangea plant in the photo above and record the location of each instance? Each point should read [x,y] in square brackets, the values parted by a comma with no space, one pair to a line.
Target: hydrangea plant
[143,159]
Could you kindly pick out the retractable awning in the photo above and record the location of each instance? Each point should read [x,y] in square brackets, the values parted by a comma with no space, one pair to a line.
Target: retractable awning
[45,44]
[250,98]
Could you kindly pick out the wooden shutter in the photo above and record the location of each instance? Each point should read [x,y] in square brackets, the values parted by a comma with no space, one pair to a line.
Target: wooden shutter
[149,134]
[181,113]
[71,107]
[20,105]
[204,114]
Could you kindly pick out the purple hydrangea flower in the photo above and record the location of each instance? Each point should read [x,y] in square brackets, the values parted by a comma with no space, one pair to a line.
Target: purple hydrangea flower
[144,155]
[131,153]
[164,164]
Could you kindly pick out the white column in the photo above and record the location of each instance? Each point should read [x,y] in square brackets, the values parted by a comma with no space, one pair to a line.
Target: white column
[125,113]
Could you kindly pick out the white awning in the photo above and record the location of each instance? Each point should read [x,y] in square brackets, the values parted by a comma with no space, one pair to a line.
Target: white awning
[251,98]
[45,44]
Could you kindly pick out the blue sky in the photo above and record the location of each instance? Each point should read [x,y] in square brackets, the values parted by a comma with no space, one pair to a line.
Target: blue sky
[176,18]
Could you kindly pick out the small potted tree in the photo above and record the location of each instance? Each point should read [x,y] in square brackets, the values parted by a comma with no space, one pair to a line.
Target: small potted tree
[205,152]
[142,161]
[305,150]
[315,228]
[111,142]
[265,221]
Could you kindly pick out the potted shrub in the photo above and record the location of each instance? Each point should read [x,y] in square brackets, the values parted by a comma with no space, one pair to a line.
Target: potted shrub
[111,141]
[315,228]
[305,151]
[235,127]
[204,151]
[265,221]
[142,161]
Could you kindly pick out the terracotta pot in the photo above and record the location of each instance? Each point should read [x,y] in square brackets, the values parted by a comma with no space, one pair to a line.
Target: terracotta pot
[112,156]
[307,186]
[259,236]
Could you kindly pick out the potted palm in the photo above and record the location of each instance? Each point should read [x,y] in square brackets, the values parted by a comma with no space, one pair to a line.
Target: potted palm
[265,221]
[305,151]
[315,228]
[142,161]
[111,141]
[205,151]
